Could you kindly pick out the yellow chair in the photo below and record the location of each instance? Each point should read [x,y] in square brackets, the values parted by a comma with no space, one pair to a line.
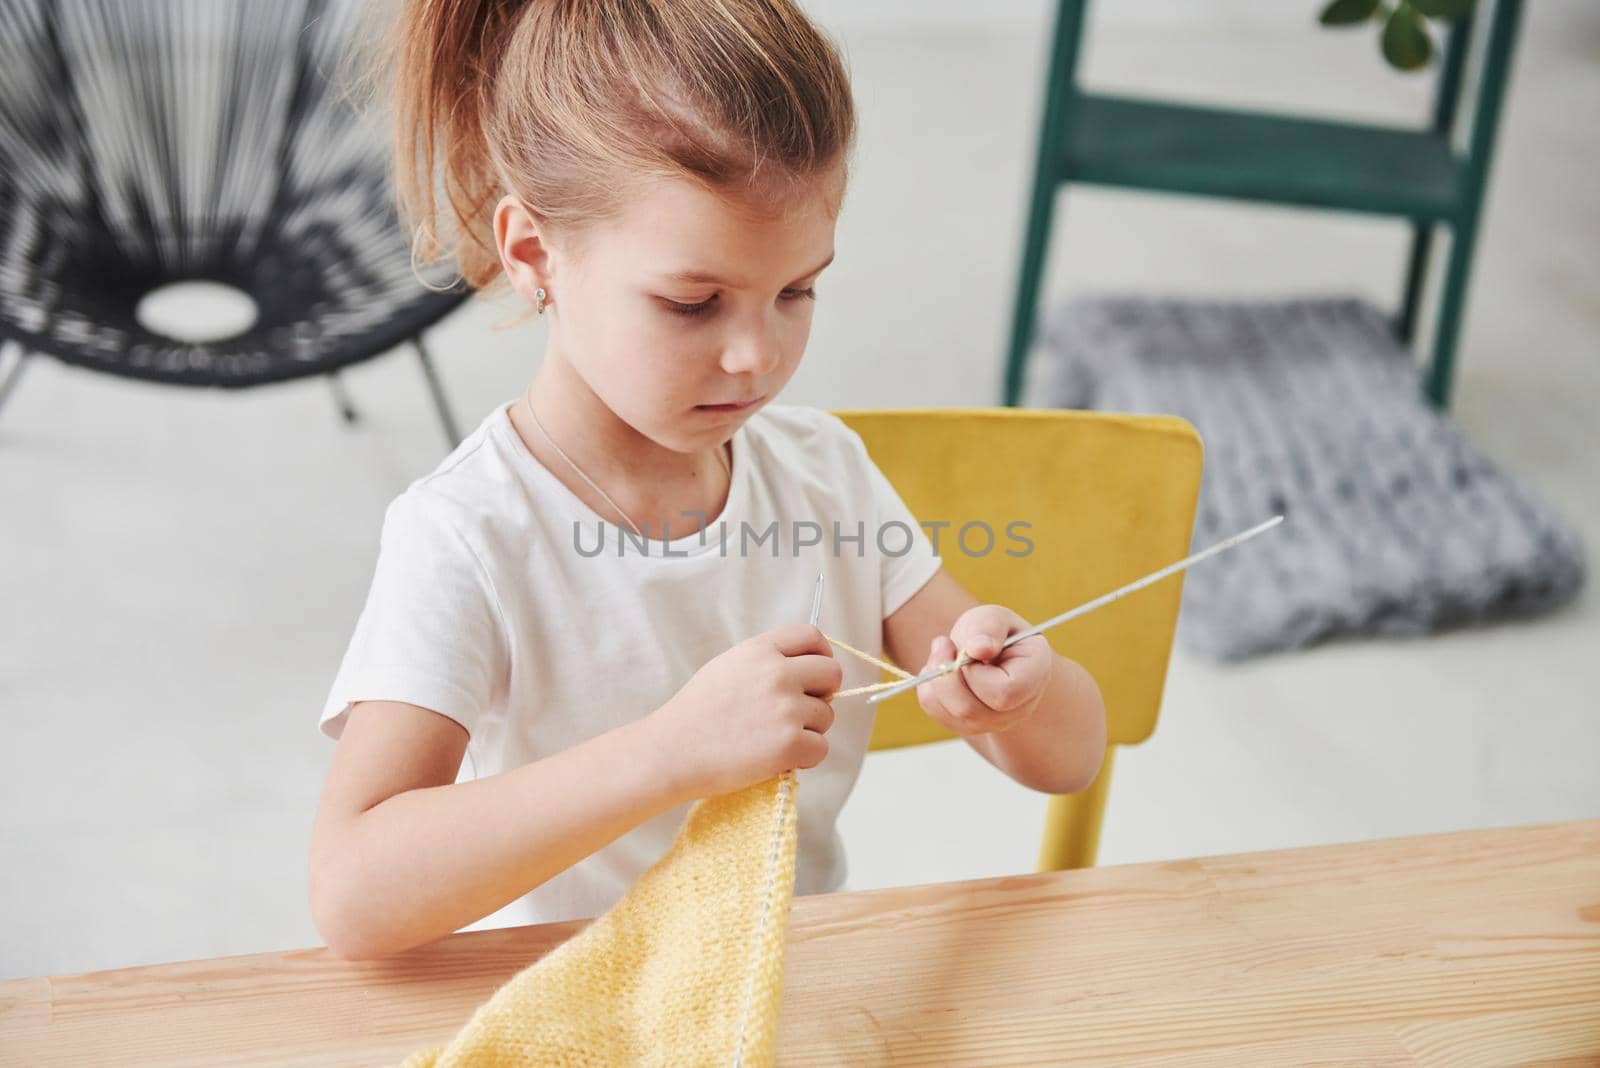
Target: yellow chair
[1108,498]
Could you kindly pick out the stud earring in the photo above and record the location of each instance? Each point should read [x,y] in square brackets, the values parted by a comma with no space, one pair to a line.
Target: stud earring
[538,301]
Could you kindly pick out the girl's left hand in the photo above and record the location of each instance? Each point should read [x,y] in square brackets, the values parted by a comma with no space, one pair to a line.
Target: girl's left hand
[989,694]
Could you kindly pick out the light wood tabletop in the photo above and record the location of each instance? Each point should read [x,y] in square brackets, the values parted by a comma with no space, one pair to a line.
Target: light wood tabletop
[1481,947]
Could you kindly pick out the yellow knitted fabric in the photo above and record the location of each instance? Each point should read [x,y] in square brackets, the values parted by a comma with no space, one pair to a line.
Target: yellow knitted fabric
[686,969]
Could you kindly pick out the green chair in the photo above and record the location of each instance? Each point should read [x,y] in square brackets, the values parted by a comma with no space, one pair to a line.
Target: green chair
[1177,148]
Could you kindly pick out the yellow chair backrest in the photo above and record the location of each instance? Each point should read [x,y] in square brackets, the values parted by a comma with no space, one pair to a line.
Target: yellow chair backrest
[1107,499]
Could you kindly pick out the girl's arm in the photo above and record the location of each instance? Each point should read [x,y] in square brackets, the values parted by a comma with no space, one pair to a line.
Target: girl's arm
[401,854]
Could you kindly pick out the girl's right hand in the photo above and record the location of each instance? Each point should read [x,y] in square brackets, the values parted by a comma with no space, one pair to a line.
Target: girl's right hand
[753,712]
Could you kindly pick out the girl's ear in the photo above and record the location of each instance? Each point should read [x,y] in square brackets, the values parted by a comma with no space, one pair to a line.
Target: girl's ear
[524,255]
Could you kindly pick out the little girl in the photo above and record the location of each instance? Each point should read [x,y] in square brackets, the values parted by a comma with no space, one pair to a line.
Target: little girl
[590,614]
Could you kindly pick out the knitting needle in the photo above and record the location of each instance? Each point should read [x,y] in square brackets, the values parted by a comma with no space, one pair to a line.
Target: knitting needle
[1090,606]
[816,601]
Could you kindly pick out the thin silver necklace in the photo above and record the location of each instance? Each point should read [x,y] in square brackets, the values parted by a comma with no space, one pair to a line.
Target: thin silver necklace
[527,402]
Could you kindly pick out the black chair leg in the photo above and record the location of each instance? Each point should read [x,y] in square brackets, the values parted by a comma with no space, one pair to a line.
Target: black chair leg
[1416,273]
[439,402]
[9,383]
[341,397]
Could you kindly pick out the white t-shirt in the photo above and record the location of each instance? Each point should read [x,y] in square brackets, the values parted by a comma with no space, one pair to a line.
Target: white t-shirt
[501,600]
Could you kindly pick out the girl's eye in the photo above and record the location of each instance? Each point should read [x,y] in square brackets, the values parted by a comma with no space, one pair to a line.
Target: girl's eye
[689,310]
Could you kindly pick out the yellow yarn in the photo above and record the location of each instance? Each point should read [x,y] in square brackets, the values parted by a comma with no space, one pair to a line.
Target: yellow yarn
[685,970]
[869,658]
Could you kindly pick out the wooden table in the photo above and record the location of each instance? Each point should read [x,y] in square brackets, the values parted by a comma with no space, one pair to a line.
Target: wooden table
[1474,948]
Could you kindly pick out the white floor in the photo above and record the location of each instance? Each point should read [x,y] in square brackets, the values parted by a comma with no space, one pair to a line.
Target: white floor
[179,571]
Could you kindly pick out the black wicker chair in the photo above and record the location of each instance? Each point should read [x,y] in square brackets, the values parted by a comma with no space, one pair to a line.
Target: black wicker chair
[151,142]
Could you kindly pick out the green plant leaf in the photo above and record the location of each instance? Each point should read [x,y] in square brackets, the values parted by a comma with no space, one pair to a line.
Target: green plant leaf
[1443,9]
[1406,41]
[1345,12]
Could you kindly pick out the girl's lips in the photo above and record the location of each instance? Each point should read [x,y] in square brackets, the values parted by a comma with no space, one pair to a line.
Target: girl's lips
[727,407]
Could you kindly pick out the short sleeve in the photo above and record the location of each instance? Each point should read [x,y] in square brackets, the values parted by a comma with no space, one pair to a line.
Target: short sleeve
[431,632]
[907,557]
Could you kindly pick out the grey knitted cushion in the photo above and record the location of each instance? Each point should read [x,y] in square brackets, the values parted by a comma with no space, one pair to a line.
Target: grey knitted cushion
[1395,524]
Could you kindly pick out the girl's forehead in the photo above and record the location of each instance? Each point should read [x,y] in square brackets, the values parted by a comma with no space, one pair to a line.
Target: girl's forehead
[675,227]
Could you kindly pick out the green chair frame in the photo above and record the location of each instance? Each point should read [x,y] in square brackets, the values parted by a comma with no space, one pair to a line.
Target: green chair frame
[1260,156]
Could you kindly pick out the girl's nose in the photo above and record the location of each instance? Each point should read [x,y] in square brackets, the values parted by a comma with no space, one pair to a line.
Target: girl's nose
[757,355]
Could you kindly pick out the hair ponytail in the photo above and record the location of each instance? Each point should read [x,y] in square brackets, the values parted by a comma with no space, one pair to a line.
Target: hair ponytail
[438,69]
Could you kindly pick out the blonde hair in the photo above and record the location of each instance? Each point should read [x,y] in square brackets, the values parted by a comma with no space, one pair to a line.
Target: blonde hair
[568,103]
